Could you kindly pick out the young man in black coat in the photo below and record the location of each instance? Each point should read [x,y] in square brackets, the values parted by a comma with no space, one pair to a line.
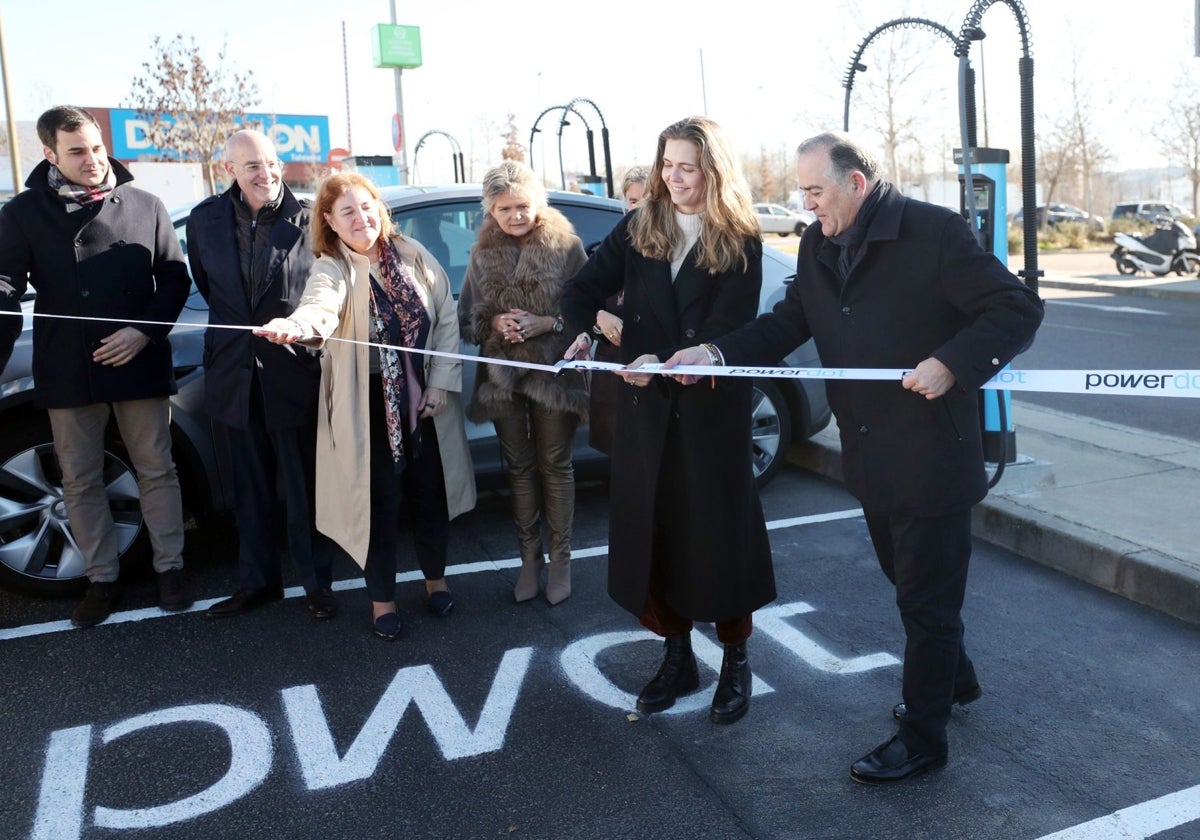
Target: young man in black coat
[250,257]
[100,252]
[889,282]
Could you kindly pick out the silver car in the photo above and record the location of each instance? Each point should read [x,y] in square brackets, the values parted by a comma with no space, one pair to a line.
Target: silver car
[775,218]
[38,555]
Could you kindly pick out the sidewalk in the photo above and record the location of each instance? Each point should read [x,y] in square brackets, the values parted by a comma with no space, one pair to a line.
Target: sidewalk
[1111,505]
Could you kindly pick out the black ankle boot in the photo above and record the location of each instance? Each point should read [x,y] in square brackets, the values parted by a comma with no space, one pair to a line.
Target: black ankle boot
[732,698]
[677,675]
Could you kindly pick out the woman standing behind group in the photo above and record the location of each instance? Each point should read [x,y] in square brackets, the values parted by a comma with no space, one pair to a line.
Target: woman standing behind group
[608,329]
[509,305]
[687,538]
[391,437]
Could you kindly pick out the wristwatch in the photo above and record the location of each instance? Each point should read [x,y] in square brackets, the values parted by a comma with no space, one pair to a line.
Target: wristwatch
[558,325]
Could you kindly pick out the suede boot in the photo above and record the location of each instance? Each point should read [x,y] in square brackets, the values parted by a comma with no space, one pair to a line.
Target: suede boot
[677,675]
[530,576]
[732,698]
[558,580]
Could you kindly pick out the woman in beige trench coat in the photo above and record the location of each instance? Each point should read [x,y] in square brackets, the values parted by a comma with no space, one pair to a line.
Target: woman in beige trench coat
[391,437]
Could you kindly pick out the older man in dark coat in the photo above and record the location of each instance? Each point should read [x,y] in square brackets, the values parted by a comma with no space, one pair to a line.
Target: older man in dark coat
[889,282]
[106,263]
[250,256]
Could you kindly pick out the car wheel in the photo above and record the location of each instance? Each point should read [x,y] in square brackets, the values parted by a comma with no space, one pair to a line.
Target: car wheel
[782,233]
[800,228]
[770,430]
[38,552]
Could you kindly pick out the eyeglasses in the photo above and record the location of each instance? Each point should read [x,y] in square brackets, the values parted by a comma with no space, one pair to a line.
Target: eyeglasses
[255,167]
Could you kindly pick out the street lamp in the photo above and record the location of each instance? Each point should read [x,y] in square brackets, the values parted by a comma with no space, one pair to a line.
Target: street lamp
[14,152]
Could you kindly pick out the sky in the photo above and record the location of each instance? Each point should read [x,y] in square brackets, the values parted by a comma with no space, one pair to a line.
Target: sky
[769,72]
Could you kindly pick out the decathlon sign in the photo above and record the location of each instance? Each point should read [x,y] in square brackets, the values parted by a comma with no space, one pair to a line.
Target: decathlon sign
[298,138]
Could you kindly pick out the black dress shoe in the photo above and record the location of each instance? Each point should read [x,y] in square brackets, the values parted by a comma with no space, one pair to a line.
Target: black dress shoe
[440,602]
[677,675]
[732,698]
[892,762]
[321,605]
[960,699]
[243,601]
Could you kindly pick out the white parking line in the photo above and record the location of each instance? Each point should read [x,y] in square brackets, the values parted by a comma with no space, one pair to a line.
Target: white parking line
[358,583]
[1138,822]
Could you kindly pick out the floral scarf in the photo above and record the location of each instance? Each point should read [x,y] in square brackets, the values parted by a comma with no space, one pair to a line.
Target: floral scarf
[398,318]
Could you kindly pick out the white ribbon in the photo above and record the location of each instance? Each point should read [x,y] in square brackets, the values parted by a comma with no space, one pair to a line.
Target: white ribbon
[1141,383]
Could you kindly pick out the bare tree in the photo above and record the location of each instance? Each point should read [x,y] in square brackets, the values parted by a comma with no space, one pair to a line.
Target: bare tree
[1056,159]
[191,107]
[1179,133]
[899,66]
[513,150]
[1090,155]
[766,188]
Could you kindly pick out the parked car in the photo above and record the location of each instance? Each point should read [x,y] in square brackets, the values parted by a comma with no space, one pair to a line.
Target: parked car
[1148,210]
[1056,214]
[775,218]
[37,553]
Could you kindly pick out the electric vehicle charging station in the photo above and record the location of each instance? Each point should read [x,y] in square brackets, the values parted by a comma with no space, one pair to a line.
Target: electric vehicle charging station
[989,184]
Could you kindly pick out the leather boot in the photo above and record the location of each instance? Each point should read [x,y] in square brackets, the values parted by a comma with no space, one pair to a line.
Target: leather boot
[558,580]
[677,675]
[531,574]
[732,698]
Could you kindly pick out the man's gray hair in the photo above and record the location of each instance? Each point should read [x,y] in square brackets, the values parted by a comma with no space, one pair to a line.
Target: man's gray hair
[846,155]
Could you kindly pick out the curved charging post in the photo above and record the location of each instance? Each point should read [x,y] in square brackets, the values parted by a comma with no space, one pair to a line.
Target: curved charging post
[996,415]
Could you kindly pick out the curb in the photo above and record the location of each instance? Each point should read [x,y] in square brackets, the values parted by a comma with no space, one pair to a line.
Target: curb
[1123,568]
[1088,285]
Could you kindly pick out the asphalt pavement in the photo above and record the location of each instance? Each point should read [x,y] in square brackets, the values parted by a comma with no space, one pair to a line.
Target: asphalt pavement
[1111,505]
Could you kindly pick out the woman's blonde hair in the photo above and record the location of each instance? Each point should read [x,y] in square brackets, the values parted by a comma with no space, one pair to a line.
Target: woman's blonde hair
[324,238]
[728,217]
[512,177]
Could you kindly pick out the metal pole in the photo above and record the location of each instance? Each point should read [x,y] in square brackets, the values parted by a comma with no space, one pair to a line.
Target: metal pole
[346,82]
[402,152]
[14,152]
[703,89]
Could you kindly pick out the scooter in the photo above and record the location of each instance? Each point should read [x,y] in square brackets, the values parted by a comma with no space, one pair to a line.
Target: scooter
[1171,247]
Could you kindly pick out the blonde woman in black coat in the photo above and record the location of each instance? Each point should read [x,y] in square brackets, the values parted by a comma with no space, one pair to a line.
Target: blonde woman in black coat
[687,537]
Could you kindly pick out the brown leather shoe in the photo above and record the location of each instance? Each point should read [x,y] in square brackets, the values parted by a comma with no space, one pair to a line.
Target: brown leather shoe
[174,591]
[97,604]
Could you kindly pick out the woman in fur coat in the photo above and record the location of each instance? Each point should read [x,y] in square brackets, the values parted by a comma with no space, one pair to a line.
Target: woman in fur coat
[509,305]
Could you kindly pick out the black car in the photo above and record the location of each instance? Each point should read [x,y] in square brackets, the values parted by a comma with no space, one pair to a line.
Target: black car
[1056,214]
[37,553]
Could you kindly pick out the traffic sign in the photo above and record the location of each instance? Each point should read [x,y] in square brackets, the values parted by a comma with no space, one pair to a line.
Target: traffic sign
[397,134]
[335,157]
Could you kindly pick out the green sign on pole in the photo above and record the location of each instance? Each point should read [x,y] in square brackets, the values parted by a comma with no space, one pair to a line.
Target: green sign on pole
[396,46]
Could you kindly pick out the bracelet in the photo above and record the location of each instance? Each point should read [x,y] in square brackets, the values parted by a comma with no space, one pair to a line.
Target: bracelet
[714,355]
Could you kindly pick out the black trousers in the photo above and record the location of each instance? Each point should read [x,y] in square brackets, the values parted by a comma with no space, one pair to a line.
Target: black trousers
[270,467]
[926,558]
[417,493]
